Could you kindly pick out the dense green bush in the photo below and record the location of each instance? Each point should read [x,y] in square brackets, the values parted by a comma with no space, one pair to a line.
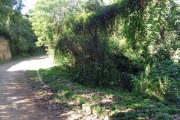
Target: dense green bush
[107,45]
[161,79]
[16,28]
[22,38]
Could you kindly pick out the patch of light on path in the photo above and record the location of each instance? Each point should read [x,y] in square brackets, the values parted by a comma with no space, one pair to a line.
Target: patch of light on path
[32,64]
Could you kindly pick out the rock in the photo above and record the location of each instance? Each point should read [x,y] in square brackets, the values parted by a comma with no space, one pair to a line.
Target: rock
[86,108]
[147,118]
[54,105]
[107,118]
[176,117]
[56,112]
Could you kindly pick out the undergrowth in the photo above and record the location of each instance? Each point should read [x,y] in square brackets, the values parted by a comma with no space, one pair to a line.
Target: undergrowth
[118,104]
[160,80]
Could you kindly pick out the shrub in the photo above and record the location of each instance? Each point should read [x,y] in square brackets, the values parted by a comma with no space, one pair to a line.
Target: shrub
[160,80]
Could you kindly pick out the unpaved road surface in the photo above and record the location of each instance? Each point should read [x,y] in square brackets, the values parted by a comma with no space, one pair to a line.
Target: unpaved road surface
[16,96]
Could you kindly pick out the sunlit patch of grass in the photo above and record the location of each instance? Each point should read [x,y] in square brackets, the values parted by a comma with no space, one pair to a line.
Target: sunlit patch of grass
[97,109]
[118,104]
[33,80]
[96,97]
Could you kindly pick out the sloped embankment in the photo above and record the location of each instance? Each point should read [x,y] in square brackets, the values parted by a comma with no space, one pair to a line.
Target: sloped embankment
[66,98]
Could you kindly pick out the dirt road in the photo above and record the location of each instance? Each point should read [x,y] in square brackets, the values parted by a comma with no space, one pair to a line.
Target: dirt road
[16,97]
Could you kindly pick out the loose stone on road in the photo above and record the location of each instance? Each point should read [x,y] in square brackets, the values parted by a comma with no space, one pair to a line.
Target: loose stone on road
[16,96]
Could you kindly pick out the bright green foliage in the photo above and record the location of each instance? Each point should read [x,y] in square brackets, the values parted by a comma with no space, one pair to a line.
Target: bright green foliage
[16,27]
[21,36]
[161,80]
[47,21]
[120,105]
[87,40]
[161,77]
[110,46]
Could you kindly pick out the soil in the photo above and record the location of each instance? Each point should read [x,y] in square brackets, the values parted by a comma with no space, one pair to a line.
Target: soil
[17,101]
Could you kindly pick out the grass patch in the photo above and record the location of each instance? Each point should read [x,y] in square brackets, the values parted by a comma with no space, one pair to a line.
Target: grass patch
[118,104]
[4,61]
[33,80]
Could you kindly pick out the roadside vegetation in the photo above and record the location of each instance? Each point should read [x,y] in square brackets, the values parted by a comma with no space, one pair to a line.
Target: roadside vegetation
[16,28]
[101,102]
[123,52]
[126,53]
[120,46]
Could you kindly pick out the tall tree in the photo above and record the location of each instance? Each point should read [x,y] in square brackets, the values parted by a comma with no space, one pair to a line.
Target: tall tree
[16,27]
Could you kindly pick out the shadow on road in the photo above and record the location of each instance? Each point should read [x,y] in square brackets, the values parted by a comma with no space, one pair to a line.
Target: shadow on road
[16,97]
